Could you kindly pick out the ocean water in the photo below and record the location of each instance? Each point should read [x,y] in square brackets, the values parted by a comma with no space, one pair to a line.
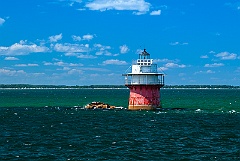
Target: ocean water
[50,124]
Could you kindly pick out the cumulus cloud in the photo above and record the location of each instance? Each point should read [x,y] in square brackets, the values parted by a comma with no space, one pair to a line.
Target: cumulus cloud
[26,65]
[114,62]
[212,52]
[178,43]
[87,37]
[139,6]
[174,65]
[11,72]
[155,13]
[62,64]
[214,65]
[76,38]
[1,21]
[205,72]
[226,56]
[11,58]
[75,71]
[170,65]
[204,57]
[71,48]
[82,56]
[22,48]
[210,71]
[124,49]
[55,38]
[174,43]
[161,69]
[106,53]
[103,50]
[164,60]
[101,47]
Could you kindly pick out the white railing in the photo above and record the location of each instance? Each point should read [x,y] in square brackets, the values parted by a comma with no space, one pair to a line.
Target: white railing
[144,82]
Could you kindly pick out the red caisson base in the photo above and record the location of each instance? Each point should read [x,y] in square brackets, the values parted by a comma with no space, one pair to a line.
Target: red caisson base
[144,97]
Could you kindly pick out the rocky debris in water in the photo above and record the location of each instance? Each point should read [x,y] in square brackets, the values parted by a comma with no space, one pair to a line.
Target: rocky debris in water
[99,105]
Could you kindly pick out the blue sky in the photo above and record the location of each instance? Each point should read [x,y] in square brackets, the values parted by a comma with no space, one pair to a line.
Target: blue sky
[77,42]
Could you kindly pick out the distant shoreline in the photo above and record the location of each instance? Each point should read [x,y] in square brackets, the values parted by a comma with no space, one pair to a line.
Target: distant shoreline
[29,86]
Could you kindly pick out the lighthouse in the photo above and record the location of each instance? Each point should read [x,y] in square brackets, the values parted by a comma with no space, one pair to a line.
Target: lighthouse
[144,83]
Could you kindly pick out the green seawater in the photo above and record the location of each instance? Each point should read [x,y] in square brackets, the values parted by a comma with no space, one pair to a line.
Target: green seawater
[50,124]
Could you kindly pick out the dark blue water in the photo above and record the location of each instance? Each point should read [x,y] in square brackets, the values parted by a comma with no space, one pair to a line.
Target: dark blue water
[191,127]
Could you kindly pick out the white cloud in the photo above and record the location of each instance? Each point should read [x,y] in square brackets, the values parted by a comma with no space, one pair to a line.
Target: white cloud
[62,64]
[161,69]
[26,65]
[99,53]
[210,71]
[71,54]
[178,43]
[174,65]
[164,60]
[204,57]
[76,38]
[75,71]
[37,74]
[96,69]
[107,53]
[47,63]
[226,56]
[155,13]
[55,38]
[2,21]
[214,65]
[11,58]
[114,62]
[133,5]
[205,72]
[212,52]
[102,47]
[11,72]
[22,48]
[103,50]
[87,37]
[124,49]
[174,43]
[82,56]
[70,48]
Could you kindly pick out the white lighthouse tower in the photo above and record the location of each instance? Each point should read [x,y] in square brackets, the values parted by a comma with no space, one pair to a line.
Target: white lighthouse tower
[144,83]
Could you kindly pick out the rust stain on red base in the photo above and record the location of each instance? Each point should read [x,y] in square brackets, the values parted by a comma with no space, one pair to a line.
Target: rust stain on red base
[144,97]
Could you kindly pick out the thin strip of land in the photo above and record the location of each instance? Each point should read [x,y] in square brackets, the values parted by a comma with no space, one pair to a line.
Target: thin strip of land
[29,86]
